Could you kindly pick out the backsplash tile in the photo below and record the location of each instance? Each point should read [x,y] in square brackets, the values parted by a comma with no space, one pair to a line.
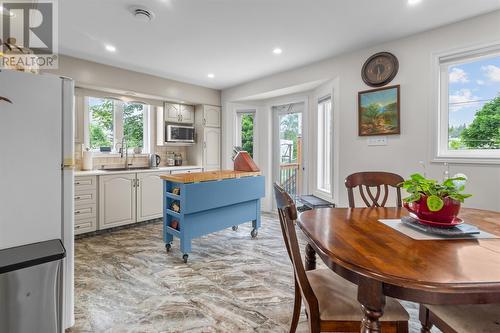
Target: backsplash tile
[140,160]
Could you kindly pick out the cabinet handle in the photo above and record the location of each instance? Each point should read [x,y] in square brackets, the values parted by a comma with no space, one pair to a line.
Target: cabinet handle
[205,144]
[137,182]
[204,121]
[78,198]
[77,183]
[77,212]
[78,226]
[182,117]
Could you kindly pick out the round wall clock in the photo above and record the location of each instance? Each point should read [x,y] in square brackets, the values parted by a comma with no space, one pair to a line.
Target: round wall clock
[380,69]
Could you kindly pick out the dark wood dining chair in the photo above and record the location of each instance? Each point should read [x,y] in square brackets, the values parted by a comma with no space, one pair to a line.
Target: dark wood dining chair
[366,181]
[330,301]
[476,318]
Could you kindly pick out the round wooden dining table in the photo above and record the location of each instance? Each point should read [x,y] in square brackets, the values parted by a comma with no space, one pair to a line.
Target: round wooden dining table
[385,262]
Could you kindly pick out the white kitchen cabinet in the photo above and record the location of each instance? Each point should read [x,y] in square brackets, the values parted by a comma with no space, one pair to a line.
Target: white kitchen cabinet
[211,148]
[172,112]
[211,116]
[187,114]
[117,200]
[85,200]
[179,113]
[149,196]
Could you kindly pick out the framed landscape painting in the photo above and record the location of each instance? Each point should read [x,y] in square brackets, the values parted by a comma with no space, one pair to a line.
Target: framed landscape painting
[379,111]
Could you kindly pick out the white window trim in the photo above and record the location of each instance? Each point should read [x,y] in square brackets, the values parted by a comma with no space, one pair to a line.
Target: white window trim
[331,88]
[320,160]
[118,128]
[239,114]
[439,142]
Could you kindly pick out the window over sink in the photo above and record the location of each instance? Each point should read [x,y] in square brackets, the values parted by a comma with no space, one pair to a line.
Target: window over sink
[469,105]
[110,120]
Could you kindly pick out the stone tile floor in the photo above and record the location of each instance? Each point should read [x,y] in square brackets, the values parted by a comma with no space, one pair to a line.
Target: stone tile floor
[126,282]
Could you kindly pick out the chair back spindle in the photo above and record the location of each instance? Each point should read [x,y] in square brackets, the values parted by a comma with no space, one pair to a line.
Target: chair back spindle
[373,187]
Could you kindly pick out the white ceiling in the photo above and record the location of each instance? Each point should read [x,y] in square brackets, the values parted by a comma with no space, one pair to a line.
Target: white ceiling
[234,39]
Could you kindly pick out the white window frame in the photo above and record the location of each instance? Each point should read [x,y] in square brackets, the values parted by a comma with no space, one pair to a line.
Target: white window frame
[441,62]
[118,126]
[322,171]
[239,114]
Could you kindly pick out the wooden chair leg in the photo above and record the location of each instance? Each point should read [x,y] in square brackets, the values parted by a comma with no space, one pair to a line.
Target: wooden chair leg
[424,319]
[296,308]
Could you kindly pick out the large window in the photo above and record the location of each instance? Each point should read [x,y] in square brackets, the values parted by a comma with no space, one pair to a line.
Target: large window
[246,121]
[324,172]
[110,121]
[469,108]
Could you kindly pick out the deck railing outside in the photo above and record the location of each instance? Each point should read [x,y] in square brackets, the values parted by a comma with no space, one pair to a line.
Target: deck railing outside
[291,173]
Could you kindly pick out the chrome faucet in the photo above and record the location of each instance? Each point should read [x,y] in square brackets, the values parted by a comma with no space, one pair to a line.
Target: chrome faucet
[124,147]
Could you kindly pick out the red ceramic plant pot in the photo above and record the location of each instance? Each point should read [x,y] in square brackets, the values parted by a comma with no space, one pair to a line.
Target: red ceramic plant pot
[445,215]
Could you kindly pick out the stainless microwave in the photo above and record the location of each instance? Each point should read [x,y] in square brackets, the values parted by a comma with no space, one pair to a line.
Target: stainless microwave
[177,133]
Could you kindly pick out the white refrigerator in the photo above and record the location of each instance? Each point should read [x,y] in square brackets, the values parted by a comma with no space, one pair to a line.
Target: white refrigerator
[36,166]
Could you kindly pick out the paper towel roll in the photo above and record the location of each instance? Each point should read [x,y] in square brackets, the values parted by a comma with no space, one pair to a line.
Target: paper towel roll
[87,160]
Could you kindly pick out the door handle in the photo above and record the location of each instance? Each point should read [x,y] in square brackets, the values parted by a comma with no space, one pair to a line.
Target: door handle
[5,99]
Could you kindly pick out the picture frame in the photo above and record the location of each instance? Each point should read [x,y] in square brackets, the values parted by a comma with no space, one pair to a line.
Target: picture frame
[379,111]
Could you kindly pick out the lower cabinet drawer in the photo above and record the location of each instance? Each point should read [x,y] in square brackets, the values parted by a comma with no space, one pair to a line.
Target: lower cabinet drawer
[83,226]
[85,198]
[85,212]
[85,183]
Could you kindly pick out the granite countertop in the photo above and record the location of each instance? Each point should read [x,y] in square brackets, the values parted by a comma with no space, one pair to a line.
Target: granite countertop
[208,176]
[112,172]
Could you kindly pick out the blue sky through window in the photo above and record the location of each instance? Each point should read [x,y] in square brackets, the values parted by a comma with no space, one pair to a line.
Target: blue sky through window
[471,85]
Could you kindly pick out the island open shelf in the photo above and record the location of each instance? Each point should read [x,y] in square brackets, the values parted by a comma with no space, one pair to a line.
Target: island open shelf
[208,202]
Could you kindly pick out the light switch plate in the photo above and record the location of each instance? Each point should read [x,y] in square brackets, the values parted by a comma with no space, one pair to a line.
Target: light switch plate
[377,141]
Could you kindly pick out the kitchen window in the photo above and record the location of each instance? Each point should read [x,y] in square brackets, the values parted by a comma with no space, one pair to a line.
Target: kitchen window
[325,126]
[111,120]
[246,125]
[469,106]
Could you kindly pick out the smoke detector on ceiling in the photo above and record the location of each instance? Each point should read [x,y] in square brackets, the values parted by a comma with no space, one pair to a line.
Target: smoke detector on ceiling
[142,14]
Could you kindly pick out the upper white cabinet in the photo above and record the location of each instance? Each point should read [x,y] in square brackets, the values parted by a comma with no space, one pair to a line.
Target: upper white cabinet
[172,112]
[117,200]
[149,196]
[179,113]
[211,148]
[209,115]
[187,114]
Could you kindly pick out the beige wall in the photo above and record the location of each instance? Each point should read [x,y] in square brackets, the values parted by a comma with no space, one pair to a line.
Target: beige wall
[97,76]
[403,152]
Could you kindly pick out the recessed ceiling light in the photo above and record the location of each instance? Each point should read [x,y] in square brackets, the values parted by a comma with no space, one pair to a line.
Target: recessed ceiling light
[110,48]
[211,75]
[277,51]
[414,2]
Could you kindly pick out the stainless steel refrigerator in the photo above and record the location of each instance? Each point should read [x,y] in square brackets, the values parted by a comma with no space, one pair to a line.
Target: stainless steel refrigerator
[36,166]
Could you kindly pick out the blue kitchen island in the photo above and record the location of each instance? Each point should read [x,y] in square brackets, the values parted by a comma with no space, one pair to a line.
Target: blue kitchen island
[197,204]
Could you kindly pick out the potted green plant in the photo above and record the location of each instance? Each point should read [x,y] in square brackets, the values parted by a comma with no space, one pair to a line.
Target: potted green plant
[432,201]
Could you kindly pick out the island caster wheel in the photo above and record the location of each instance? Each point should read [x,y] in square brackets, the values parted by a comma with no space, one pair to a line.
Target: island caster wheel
[168,246]
[235,227]
[185,258]
[254,233]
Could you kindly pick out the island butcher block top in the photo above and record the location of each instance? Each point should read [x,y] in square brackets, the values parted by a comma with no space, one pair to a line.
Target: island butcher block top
[208,176]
